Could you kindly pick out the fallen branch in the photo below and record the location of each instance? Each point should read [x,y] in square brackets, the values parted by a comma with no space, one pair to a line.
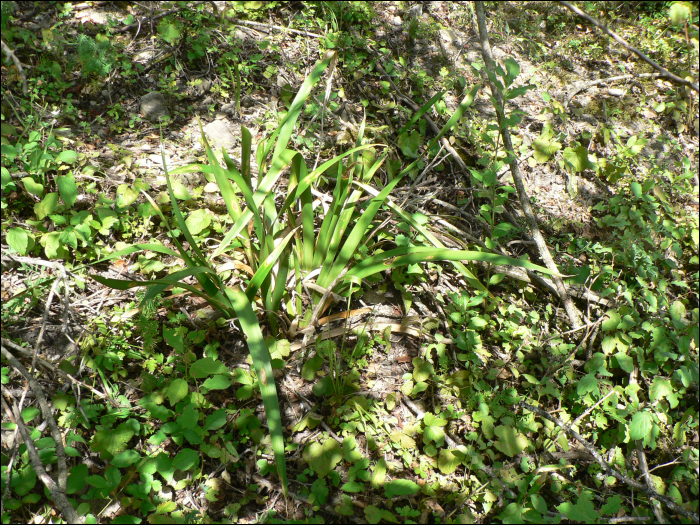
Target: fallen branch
[665,72]
[580,86]
[642,457]
[671,504]
[6,49]
[279,28]
[57,490]
[571,310]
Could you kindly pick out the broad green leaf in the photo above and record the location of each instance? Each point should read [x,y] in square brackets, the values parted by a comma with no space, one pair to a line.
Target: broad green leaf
[636,189]
[586,384]
[47,206]
[323,458]
[125,459]
[677,310]
[215,420]
[641,425]
[377,515]
[189,417]
[409,144]
[353,486]
[432,429]
[126,195]
[30,413]
[660,387]
[180,192]
[312,365]
[544,149]
[612,505]
[168,32]
[583,510]
[611,322]
[206,367]
[19,240]
[67,157]
[576,158]
[217,382]
[77,478]
[111,441]
[510,441]
[186,459]
[513,69]
[67,188]
[197,221]
[400,487]
[33,187]
[448,462]
[177,389]
[423,369]
[379,474]
[626,362]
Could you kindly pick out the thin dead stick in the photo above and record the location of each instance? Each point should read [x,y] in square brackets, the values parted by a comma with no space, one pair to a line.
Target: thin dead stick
[606,467]
[665,72]
[433,127]
[580,86]
[18,64]
[571,310]
[56,489]
[642,457]
[61,373]
[58,494]
[279,28]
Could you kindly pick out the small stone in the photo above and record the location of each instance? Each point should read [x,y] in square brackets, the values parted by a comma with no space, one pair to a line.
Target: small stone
[154,106]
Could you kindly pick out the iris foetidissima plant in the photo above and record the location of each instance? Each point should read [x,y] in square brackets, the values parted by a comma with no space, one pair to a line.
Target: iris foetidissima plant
[324,247]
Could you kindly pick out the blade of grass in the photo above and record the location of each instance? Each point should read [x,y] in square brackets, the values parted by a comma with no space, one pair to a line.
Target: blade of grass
[263,367]
[266,266]
[468,275]
[415,254]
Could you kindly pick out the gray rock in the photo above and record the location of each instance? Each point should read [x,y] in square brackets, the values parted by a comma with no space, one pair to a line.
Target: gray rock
[154,106]
[415,11]
[219,135]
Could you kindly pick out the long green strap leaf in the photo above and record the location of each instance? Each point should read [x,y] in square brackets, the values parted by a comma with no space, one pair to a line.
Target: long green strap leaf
[468,275]
[415,254]
[328,274]
[266,266]
[218,300]
[263,367]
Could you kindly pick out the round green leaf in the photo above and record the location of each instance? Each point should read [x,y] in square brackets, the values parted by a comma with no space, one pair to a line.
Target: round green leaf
[33,187]
[197,221]
[125,459]
[19,240]
[177,389]
[641,425]
[400,487]
[186,459]
[67,188]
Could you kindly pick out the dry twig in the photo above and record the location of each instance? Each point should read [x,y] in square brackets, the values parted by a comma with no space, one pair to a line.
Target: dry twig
[671,504]
[571,310]
[665,72]
[56,489]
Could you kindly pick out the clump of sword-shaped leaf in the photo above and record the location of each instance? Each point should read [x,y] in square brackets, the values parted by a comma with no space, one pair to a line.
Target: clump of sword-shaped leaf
[326,253]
